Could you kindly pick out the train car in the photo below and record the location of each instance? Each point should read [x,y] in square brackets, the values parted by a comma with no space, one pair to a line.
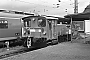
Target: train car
[34,31]
[10,26]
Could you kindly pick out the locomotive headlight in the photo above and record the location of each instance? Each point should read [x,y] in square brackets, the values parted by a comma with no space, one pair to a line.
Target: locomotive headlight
[33,19]
[55,33]
[39,30]
[44,33]
[5,22]
[24,31]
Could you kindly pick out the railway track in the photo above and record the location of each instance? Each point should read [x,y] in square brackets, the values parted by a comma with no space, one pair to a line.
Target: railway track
[18,51]
[14,50]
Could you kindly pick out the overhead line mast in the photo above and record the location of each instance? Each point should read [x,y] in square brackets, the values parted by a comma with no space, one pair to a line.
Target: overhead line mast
[75,6]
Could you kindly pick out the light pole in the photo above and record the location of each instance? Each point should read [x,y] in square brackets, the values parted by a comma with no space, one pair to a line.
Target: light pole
[75,11]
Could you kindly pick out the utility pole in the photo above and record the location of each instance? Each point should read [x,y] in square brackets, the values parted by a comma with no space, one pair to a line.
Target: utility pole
[75,11]
[75,6]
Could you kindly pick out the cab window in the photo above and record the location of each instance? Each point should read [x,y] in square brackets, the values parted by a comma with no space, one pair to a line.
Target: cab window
[41,22]
[27,23]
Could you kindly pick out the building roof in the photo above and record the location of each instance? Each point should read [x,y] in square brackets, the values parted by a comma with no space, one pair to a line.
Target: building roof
[61,19]
[84,15]
[64,19]
[87,9]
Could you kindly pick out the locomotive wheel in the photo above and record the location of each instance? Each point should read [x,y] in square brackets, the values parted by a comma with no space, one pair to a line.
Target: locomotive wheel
[54,42]
[44,43]
[40,43]
[24,42]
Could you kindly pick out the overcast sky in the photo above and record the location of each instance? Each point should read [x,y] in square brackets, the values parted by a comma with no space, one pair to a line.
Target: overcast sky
[48,7]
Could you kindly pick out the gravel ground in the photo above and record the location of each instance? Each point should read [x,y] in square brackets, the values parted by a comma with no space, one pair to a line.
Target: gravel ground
[11,49]
[62,51]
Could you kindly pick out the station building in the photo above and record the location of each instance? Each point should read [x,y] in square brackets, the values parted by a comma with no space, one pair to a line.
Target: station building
[80,23]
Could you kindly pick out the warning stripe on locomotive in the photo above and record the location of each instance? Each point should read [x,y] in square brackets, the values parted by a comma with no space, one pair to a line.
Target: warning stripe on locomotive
[35,30]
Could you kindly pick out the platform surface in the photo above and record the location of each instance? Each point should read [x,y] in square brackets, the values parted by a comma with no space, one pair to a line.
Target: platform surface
[61,51]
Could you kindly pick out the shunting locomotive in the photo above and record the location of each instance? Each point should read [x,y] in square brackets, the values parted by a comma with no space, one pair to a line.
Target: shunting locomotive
[39,30]
[34,31]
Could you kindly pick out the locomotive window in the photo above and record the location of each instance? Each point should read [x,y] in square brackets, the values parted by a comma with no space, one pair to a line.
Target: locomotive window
[3,24]
[41,22]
